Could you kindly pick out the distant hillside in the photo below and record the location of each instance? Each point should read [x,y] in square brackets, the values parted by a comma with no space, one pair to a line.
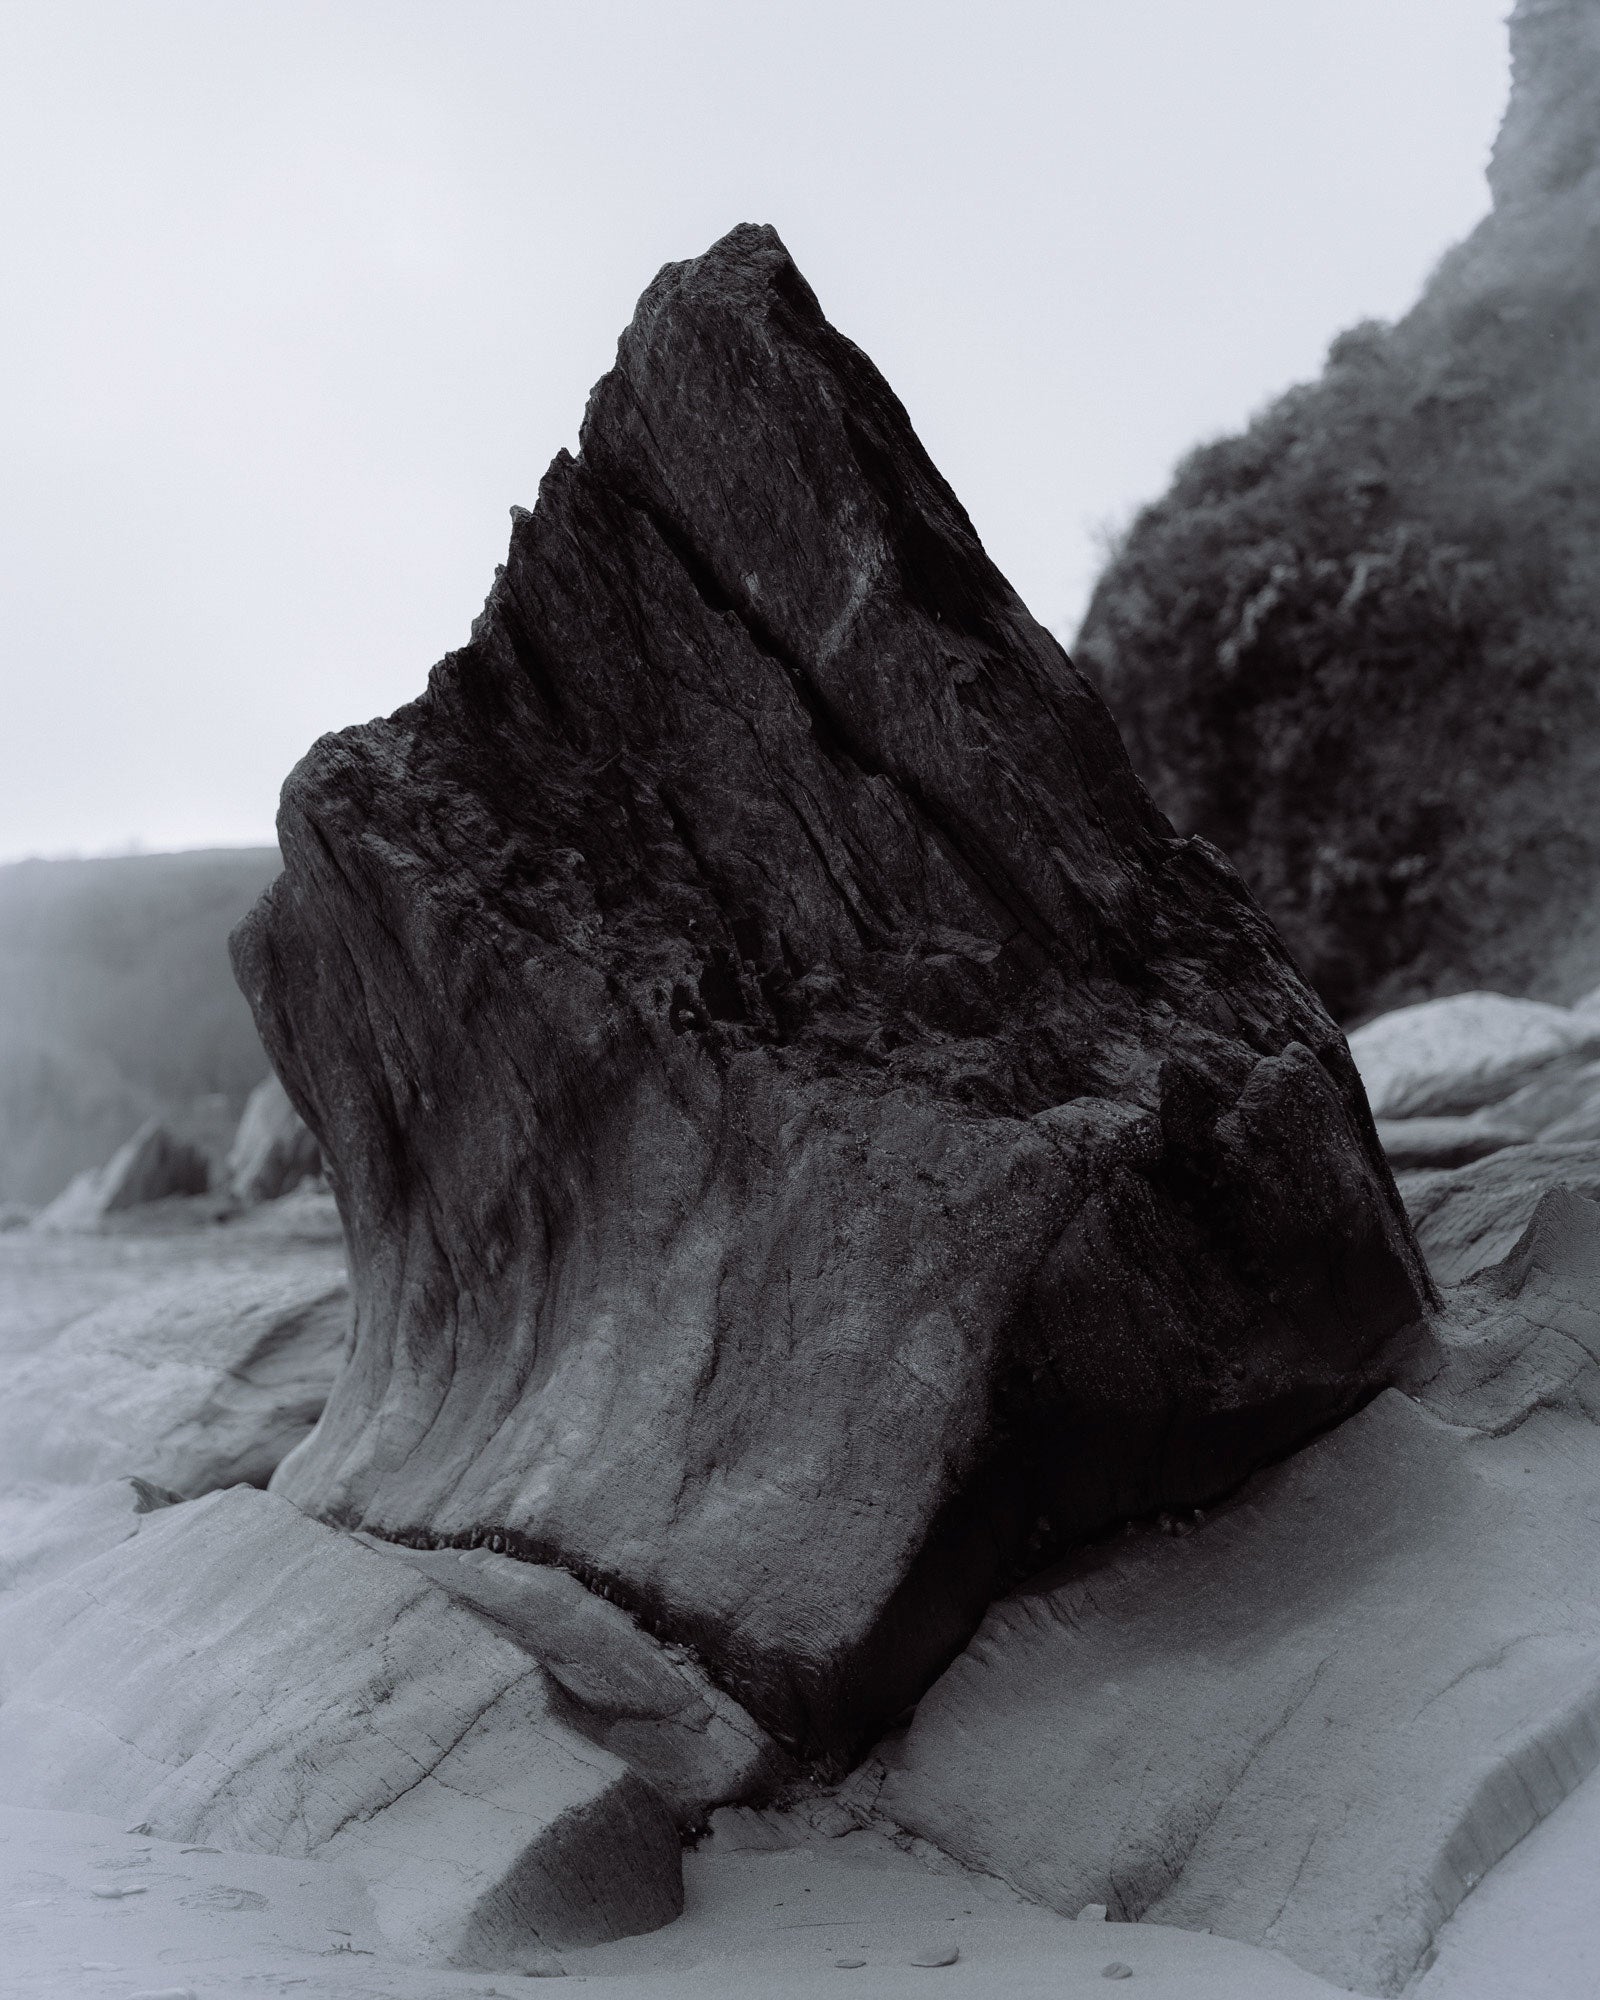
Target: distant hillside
[1359,646]
[116,1000]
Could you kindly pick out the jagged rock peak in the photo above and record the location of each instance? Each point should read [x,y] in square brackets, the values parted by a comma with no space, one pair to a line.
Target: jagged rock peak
[811,1140]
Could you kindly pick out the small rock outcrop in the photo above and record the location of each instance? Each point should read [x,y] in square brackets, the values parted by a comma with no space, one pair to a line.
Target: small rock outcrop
[272,1152]
[811,1141]
[1316,1718]
[150,1167]
[1357,645]
[235,1674]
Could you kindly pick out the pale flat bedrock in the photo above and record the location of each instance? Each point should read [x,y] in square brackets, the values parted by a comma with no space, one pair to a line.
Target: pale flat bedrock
[236,1675]
[168,1345]
[1319,1718]
[1529,1929]
[1456,1055]
[47,1282]
[1484,1103]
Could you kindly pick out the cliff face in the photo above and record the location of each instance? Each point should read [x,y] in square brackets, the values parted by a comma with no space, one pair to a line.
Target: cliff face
[1359,645]
[1550,141]
[811,1141]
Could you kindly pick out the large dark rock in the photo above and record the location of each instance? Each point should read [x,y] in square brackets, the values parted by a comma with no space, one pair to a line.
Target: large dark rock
[812,1142]
[1358,646]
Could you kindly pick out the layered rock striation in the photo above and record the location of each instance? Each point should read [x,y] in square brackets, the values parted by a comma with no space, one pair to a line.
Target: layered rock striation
[811,1141]
[272,1152]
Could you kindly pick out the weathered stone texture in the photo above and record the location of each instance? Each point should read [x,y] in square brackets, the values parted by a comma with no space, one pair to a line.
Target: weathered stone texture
[200,1380]
[812,1142]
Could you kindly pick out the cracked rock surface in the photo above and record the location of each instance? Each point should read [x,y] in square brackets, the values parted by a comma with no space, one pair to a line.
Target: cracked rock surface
[238,1675]
[812,1142]
[1317,1719]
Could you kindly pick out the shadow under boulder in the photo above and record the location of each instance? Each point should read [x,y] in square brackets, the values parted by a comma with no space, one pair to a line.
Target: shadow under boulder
[650,1704]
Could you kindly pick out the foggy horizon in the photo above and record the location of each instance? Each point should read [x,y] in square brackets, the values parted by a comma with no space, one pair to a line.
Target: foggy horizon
[312,300]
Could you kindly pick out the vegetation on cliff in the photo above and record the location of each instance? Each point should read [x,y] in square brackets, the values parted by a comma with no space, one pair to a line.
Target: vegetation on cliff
[1359,646]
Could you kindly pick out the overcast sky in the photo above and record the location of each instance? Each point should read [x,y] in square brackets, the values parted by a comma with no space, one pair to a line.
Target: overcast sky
[300,298]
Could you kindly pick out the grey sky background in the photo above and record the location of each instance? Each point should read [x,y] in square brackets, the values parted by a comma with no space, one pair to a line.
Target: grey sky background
[300,298]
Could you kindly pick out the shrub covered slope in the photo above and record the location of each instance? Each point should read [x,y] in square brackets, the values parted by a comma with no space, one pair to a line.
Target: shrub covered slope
[1359,645]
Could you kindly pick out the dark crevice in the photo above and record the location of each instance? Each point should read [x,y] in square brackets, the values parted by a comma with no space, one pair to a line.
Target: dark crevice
[645,1611]
[871,939]
[689,843]
[967,853]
